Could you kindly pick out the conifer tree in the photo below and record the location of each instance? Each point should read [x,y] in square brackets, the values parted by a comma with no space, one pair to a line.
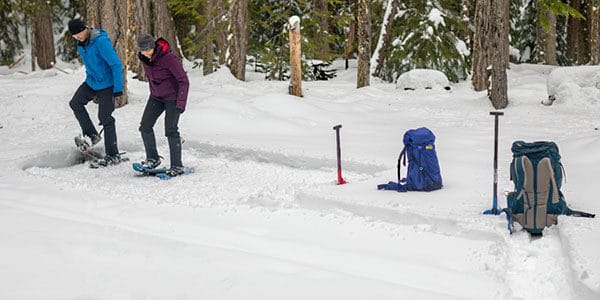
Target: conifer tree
[425,37]
[9,32]
[523,31]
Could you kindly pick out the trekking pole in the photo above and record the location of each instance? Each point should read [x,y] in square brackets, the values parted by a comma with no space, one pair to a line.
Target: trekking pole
[339,154]
[494,210]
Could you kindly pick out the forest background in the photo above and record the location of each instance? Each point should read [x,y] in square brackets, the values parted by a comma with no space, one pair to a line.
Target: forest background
[465,39]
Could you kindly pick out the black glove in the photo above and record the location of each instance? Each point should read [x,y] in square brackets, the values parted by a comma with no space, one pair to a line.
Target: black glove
[179,110]
[118,98]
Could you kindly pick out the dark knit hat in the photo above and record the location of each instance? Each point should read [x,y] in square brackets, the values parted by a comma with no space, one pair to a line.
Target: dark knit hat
[145,42]
[76,26]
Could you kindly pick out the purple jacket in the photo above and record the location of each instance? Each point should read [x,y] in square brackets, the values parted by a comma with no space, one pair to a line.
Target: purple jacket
[168,81]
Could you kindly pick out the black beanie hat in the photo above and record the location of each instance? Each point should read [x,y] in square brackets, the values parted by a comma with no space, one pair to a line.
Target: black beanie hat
[76,26]
[145,42]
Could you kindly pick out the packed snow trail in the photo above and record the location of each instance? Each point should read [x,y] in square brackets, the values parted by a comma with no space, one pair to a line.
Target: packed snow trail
[355,255]
[228,181]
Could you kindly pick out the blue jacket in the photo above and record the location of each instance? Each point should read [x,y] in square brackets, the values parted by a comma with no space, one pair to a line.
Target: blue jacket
[102,64]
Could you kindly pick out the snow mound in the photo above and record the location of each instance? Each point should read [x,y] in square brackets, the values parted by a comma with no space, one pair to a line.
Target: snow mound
[221,76]
[423,79]
[574,84]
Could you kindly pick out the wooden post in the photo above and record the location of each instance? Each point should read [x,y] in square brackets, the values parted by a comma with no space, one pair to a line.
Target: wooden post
[295,87]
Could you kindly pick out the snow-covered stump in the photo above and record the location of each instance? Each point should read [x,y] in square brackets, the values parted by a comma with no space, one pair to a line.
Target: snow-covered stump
[295,87]
[579,84]
[423,79]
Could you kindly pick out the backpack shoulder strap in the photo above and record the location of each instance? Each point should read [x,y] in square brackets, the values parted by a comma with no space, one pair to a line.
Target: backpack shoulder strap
[400,161]
[527,193]
[546,180]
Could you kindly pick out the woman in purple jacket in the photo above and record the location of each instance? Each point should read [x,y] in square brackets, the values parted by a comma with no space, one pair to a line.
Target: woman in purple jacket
[168,92]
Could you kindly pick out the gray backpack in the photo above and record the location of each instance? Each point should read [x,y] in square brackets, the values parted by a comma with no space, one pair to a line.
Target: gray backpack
[537,173]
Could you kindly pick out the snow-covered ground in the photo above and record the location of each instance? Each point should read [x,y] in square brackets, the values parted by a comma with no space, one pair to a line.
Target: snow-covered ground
[262,217]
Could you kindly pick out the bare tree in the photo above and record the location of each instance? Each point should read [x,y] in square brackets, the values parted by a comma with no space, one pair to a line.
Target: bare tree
[112,17]
[43,38]
[238,41]
[499,82]
[164,26]
[594,19]
[364,44]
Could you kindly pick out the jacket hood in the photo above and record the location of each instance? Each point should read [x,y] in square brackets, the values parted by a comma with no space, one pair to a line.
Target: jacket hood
[161,47]
[94,33]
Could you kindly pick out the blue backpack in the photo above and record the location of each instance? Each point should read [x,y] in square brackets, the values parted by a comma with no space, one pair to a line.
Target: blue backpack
[423,172]
[537,174]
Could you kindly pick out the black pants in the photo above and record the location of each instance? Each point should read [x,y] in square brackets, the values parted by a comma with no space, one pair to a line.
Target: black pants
[154,108]
[106,105]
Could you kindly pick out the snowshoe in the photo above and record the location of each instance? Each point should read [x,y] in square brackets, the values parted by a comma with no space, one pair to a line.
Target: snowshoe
[175,171]
[84,145]
[109,160]
[144,170]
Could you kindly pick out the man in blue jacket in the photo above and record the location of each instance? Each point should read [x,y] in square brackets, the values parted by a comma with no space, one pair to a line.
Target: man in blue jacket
[104,81]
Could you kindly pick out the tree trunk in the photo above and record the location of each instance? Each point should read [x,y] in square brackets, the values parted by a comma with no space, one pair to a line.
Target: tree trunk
[238,42]
[43,39]
[295,87]
[221,32]
[546,40]
[112,17]
[321,9]
[93,13]
[594,19]
[386,35]
[164,26]
[506,25]
[350,42]
[206,49]
[498,94]
[574,27]
[139,22]
[364,45]
[482,50]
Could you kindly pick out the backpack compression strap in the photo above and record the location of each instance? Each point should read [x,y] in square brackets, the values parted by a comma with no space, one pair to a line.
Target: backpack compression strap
[577,213]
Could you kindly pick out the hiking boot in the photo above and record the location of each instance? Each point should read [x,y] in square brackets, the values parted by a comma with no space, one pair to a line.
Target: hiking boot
[110,160]
[151,163]
[95,138]
[85,142]
[174,171]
